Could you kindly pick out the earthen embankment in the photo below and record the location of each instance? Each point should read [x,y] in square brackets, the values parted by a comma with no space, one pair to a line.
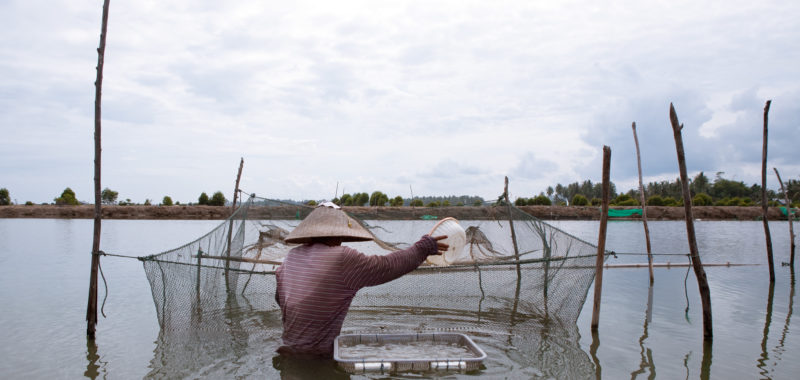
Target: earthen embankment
[197,212]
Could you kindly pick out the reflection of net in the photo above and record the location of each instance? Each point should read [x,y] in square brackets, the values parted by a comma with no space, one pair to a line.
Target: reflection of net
[241,343]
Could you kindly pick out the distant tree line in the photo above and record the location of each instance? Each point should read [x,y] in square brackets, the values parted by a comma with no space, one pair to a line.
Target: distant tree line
[379,198]
[217,199]
[110,197]
[720,192]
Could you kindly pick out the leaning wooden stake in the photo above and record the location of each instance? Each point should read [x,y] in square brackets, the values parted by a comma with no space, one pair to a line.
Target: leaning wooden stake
[516,254]
[91,308]
[230,226]
[788,216]
[239,177]
[644,205]
[511,223]
[697,265]
[601,239]
[764,205]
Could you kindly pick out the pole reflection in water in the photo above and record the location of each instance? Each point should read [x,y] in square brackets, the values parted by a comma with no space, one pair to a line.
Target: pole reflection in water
[686,363]
[645,352]
[705,365]
[598,370]
[764,358]
[95,367]
[779,350]
[765,370]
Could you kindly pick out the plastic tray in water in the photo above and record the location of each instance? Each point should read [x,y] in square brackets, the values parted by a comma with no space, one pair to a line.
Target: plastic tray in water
[358,353]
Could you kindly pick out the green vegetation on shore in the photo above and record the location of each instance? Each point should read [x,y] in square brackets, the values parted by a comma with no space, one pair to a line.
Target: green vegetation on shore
[5,198]
[719,192]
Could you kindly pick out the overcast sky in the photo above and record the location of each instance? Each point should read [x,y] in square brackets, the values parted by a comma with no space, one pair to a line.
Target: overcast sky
[445,98]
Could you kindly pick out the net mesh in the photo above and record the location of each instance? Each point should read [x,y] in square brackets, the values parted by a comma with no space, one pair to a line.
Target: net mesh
[523,285]
[519,268]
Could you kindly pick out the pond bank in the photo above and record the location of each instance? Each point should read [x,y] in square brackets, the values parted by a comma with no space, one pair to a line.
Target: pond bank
[197,212]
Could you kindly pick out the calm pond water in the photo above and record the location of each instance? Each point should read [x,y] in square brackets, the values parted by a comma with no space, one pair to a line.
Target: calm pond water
[644,332]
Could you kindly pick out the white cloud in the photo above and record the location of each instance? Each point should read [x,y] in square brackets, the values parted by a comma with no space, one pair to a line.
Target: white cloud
[447,97]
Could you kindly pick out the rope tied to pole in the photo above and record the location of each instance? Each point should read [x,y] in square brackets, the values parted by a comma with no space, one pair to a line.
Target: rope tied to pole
[105,283]
[124,256]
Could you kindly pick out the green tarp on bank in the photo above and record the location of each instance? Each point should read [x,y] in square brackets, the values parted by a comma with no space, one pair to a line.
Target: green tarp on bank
[628,212]
[624,213]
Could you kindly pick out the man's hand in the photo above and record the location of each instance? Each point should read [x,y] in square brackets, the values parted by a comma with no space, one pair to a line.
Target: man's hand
[440,247]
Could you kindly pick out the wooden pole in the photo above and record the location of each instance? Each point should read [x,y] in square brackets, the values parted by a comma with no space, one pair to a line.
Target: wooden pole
[511,223]
[697,265]
[788,216]
[644,204]
[238,178]
[516,255]
[764,205]
[91,308]
[230,225]
[601,239]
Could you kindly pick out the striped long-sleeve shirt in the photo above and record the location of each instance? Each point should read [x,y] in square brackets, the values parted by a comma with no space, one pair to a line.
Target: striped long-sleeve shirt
[316,283]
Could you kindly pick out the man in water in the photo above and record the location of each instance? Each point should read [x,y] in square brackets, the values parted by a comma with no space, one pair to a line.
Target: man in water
[318,280]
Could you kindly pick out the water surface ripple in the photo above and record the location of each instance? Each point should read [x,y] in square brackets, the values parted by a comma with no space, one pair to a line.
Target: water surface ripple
[644,332]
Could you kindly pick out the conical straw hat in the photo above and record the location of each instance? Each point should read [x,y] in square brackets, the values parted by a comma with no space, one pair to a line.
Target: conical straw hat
[328,222]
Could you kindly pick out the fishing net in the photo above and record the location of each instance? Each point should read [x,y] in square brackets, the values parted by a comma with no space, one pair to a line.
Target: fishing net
[513,268]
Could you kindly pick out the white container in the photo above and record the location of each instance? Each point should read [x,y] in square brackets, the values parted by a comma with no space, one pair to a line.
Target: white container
[359,353]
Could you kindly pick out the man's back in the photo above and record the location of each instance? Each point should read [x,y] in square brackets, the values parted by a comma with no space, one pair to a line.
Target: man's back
[313,297]
[317,282]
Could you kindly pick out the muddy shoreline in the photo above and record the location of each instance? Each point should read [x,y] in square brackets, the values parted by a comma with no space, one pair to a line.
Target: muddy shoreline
[401,213]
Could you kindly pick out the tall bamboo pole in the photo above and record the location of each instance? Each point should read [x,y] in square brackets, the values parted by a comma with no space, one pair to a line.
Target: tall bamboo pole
[697,265]
[644,205]
[788,216]
[91,308]
[764,206]
[601,239]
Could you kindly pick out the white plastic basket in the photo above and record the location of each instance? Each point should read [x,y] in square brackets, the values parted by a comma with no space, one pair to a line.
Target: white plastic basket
[411,360]
[456,240]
